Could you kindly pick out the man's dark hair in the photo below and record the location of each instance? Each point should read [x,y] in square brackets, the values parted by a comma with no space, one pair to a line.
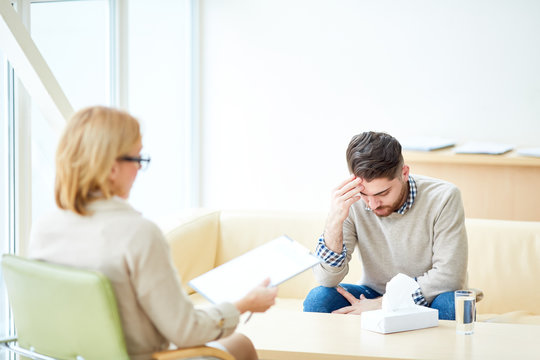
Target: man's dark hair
[372,155]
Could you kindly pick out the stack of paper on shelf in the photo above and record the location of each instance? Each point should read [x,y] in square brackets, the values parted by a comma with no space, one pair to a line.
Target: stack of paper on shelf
[422,143]
[529,152]
[483,148]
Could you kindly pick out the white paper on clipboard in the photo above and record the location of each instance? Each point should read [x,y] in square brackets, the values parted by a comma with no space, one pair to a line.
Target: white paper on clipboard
[279,259]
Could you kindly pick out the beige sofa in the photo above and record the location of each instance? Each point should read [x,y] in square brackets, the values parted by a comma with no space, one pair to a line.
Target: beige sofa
[504,256]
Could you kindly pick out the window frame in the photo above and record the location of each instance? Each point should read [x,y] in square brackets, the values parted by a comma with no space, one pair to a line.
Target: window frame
[16,130]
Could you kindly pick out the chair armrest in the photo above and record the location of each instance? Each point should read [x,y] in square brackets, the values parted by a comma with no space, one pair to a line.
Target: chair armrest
[187,353]
[8,340]
[9,344]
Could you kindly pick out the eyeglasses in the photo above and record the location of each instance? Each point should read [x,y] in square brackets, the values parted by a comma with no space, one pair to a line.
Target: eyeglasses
[142,161]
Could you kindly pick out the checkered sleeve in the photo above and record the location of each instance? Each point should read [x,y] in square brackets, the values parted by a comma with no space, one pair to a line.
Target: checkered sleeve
[328,256]
[418,298]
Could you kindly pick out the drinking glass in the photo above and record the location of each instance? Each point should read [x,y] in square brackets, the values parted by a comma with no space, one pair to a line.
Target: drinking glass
[465,302]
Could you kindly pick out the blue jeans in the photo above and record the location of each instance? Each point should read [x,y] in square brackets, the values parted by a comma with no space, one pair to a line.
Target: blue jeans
[326,299]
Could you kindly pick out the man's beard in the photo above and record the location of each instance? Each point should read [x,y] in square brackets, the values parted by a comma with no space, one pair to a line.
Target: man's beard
[384,211]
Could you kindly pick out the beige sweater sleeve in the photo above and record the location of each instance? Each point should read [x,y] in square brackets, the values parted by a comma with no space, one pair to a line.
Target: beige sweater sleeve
[331,276]
[163,299]
[450,252]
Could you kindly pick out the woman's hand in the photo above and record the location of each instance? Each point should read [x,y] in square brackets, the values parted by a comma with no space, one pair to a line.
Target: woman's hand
[259,299]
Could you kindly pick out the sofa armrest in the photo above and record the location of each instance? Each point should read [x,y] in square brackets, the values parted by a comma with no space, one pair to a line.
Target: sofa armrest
[193,238]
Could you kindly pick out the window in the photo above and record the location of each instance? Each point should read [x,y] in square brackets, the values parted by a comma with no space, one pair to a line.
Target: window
[151,76]
[160,91]
[73,37]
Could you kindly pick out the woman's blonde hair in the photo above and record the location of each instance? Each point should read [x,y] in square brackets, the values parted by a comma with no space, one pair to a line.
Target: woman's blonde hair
[91,142]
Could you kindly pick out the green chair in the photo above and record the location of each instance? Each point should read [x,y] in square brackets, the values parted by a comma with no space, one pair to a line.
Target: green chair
[66,313]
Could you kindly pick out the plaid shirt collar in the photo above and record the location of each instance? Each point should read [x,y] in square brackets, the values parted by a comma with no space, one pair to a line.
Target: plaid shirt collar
[410,199]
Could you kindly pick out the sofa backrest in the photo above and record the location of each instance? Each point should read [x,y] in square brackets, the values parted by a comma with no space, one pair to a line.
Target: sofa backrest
[203,239]
[241,231]
[504,256]
[504,262]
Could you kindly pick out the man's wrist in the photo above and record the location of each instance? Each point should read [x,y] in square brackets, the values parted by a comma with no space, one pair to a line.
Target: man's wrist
[330,257]
[418,298]
[333,240]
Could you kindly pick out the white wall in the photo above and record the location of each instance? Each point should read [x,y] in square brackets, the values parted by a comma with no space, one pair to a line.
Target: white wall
[285,84]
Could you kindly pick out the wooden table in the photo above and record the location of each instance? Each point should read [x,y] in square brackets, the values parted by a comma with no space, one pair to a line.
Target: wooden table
[492,186]
[292,335]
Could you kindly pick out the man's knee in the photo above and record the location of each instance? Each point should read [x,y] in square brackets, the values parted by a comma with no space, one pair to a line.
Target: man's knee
[319,299]
[445,304]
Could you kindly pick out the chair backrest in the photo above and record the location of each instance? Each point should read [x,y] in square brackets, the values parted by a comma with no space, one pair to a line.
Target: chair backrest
[63,312]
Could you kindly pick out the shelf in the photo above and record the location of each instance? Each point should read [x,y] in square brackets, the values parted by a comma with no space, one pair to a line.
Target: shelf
[449,157]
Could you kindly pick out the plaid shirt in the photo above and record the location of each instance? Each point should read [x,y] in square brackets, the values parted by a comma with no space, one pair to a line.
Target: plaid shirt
[336,260]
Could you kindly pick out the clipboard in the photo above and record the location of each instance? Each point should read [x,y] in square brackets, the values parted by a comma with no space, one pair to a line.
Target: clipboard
[279,259]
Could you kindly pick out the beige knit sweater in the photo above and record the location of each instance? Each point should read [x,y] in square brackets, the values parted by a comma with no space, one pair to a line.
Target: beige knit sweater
[427,242]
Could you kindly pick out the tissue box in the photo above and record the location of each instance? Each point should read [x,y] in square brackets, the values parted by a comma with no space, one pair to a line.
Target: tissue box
[417,317]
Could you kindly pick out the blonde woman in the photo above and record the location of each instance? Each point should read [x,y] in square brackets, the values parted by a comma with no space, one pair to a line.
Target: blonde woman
[97,161]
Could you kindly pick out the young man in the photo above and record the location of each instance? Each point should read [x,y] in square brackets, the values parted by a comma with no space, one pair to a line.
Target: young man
[400,223]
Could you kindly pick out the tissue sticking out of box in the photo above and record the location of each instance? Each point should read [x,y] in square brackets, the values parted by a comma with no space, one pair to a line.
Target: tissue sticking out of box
[399,312]
[399,291]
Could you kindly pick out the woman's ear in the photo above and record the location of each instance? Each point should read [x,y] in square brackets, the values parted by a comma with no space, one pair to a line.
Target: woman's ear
[113,175]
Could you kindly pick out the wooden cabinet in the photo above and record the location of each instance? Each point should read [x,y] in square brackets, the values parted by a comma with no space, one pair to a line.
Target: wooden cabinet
[493,186]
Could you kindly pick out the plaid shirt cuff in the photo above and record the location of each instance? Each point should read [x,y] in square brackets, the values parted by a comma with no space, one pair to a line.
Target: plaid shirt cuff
[328,256]
[418,298]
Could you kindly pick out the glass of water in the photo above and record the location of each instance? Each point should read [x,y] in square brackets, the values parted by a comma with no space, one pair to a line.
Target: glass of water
[465,302]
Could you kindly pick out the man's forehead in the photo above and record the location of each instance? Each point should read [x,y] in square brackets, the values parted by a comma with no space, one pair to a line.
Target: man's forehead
[378,185]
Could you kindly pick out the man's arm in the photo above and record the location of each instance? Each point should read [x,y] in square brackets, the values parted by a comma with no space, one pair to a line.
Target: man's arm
[449,258]
[331,246]
[346,194]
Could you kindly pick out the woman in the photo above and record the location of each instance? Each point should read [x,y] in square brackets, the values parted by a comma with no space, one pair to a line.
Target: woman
[97,161]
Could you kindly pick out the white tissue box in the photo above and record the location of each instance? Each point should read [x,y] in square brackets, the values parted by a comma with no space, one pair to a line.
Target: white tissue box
[418,317]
